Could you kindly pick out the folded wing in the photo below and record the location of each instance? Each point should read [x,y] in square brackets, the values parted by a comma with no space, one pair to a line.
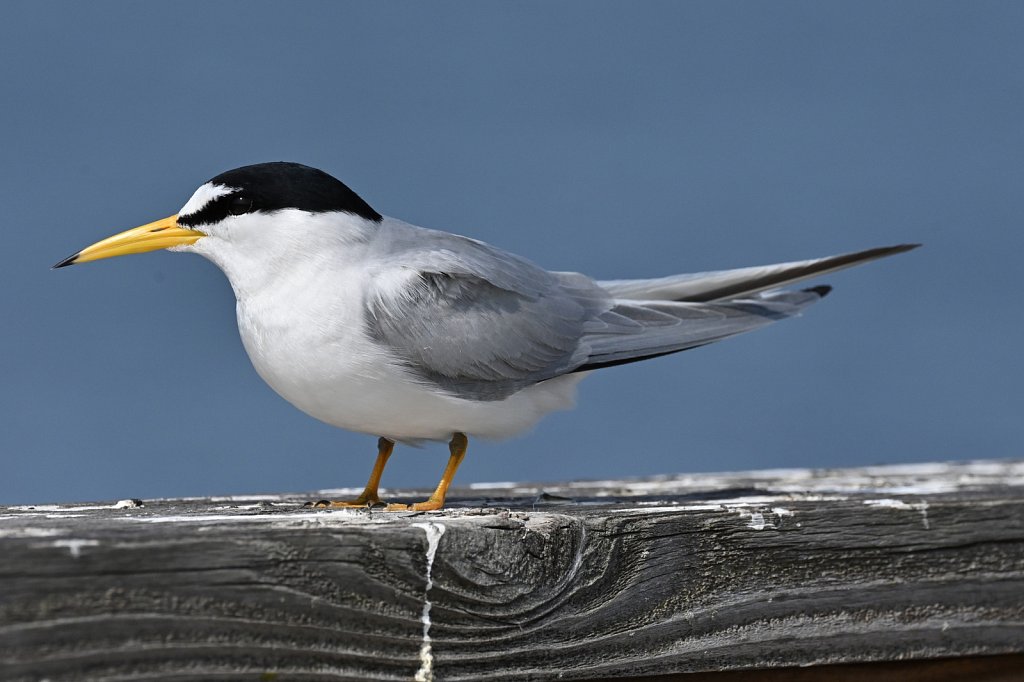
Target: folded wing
[665,327]
[482,324]
[702,287]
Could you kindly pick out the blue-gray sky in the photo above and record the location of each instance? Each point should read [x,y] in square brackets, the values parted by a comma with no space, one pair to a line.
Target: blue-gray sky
[617,139]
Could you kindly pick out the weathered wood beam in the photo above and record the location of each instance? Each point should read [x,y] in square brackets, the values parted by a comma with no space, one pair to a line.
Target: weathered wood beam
[579,581]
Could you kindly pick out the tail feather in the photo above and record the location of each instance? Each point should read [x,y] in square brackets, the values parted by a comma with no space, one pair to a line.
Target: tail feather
[723,285]
[640,330]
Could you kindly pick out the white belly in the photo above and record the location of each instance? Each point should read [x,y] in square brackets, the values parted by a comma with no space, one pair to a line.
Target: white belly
[317,357]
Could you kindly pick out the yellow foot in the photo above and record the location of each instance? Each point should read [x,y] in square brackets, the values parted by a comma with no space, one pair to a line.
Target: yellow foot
[369,497]
[457,448]
[429,505]
[360,502]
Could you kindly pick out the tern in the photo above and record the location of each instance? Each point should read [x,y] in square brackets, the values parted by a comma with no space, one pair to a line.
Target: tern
[410,334]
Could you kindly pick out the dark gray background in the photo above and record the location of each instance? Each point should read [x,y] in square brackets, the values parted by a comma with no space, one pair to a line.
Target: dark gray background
[618,139]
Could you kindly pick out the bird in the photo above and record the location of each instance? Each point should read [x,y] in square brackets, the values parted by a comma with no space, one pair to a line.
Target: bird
[411,334]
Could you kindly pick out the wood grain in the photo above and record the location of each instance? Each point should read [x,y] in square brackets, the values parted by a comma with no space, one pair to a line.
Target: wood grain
[529,582]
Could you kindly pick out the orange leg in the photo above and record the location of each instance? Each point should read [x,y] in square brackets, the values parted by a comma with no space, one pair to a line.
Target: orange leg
[457,447]
[369,495]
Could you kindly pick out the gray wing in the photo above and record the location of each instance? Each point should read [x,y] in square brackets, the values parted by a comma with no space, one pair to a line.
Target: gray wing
[476,321]
[482,324]
[663,327]
[730,284]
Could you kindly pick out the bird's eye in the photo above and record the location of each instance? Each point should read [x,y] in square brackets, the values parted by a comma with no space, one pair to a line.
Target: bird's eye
[240,205]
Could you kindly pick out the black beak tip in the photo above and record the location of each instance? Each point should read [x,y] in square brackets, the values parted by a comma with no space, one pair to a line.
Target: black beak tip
[70,260]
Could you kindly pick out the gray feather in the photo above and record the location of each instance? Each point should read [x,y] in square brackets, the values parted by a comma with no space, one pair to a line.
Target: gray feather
[482,324]
[671,327]
[726,284]
[478,322]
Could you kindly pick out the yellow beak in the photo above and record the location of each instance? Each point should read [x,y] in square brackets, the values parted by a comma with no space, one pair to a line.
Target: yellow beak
[162,234]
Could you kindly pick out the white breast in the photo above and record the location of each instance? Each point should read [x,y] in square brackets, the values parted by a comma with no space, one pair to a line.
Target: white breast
[336,374]
[301,319]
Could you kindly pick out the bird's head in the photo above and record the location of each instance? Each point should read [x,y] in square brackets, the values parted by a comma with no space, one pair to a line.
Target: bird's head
[242,208]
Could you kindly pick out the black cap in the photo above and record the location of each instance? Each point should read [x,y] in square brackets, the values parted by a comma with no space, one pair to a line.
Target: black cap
[268,187]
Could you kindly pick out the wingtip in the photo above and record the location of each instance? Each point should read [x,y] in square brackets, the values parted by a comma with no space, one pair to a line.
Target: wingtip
[822,290]
[70,260]
[883,251]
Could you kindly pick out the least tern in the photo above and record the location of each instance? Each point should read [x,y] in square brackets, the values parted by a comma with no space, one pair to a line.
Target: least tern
[410,334]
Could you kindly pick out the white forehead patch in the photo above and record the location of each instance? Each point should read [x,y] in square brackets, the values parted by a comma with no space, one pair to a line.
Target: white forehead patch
[203,196]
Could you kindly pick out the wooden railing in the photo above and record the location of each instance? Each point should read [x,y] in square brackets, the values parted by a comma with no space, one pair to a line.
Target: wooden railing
[754,572]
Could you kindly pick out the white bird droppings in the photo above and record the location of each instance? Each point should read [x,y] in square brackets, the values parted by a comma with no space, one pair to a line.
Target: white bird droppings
[756,521]
[891,503]
[75,546]
[434,532]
